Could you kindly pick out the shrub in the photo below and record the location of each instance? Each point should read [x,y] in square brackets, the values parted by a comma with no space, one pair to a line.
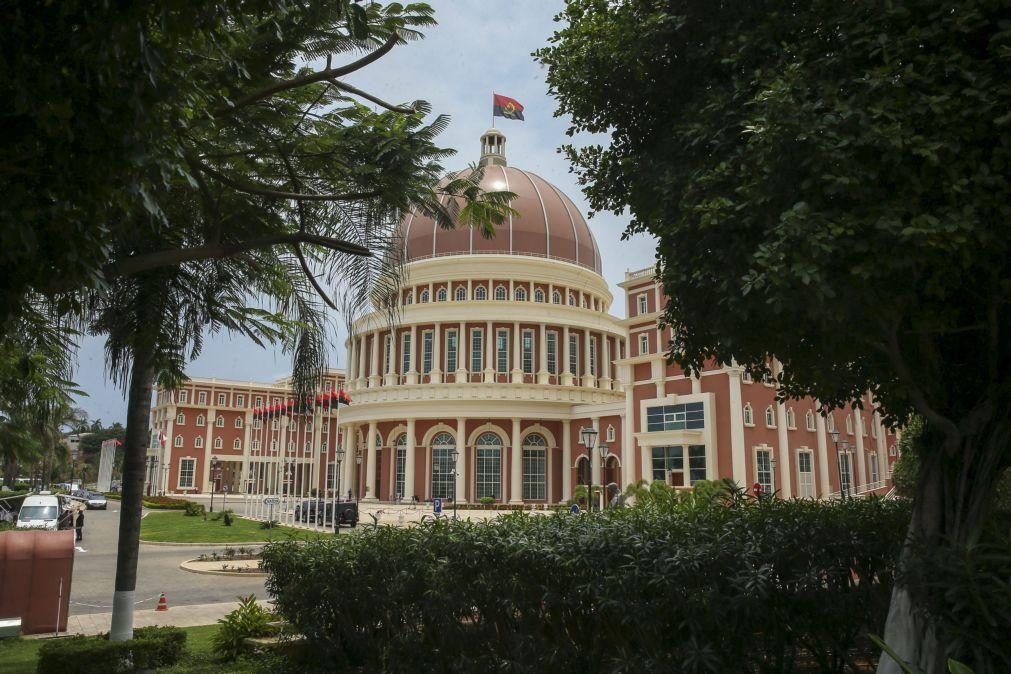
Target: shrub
[228,518]
[165,503]
[248,620]
[194,509]
[751,587]
[150,648]
[486,500]
[268,524]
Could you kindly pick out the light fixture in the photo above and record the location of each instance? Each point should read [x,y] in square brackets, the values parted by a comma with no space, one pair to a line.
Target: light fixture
[341,453]
[835,436]
[588,434]
[603,449]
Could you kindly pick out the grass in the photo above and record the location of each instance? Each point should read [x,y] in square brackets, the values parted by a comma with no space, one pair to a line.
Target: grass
[174,526]
[19,656]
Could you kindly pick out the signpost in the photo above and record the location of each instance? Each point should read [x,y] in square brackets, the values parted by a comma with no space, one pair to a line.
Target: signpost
[437,506]
[270,502]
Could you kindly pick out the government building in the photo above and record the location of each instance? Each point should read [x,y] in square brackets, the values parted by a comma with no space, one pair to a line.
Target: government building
[505,351]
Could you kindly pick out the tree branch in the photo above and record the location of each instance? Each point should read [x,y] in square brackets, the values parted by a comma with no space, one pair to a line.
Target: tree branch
[296,82]
[260,190]
[136,264]
[369,97]
[312,279]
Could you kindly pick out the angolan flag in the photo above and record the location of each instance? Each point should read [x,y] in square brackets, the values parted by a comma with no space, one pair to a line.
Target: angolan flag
[503,106]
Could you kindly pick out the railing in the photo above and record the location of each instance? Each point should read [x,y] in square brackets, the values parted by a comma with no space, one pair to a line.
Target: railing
[543,256]
[642,273]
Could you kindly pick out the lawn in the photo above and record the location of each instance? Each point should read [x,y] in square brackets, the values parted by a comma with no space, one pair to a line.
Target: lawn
[173,526]
[19,656]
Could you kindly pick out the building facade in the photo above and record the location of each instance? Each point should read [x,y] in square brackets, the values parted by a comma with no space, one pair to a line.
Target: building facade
[506,348]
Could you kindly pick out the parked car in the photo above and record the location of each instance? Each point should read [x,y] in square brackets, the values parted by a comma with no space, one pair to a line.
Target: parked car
[308,511]
[95,500]
[42,511]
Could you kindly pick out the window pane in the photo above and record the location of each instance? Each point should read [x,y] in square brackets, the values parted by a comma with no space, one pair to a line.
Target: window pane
[489,466]
[763,463]
[442,466]
[696,463]
[534,467]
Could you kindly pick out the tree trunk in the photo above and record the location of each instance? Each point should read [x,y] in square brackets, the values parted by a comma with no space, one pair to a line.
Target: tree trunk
[955,488]
[138,414]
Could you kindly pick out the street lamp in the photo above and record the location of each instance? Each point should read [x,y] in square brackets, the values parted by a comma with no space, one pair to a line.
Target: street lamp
[588,434]
[214,470]
[603,449]
[339,455]
[358,474]
[454,455]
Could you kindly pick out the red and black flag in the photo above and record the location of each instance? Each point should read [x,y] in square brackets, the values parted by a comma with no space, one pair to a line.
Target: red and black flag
[503,106]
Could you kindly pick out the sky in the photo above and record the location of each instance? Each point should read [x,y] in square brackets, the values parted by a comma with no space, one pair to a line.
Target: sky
[479,47]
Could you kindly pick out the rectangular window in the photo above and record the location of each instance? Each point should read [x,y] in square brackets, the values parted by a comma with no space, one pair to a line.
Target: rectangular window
[240,400]
[451,346]
[387,353]
[552,339]
[593,356]
[535,470]
[489,472]
[427,338]
[258,402]
[686,416]
[221,400]
[763,470]
[476,350]
[331,476]
[528,351]
[401,472]
[182,396]
[574,354]
[874,467]
[805,470]
[405,353]
[501,351]
[642,304]
[643,344]
[202,397]
[187,468]
[846,473]
[669,465]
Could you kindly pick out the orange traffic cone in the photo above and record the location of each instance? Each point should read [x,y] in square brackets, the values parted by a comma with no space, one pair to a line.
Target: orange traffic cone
[162,604]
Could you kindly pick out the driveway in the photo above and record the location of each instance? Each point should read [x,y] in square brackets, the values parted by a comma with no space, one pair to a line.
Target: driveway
[158,571]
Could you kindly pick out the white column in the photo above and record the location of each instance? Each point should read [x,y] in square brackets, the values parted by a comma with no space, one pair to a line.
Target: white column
[436,375]
[605,348]
[361,360]
[391,367]
[516,466]
[462,353]
[374,365]
[823,474]
[352,364]
[517,369]
[785,475]
[588,374]
[212,415]
[595,422]
[858,428]
[489,348]
[739,459]
[370,465]
[461,461]
[696,384]
[566,461]
[542,355]
[412,373]
[566,356]
[409,488]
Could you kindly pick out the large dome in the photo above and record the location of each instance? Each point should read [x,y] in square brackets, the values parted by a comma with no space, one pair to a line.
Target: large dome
[548,224]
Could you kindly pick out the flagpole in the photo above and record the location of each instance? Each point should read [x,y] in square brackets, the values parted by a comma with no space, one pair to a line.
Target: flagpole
[493,109]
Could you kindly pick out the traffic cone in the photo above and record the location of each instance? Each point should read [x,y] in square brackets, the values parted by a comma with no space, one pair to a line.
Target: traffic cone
[162,604]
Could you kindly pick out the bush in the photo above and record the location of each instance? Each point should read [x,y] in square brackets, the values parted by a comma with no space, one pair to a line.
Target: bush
[229,517]
[150,648]
[194,509]
[486,500]
[165,503]
[113,495]
[750,587]
[249,620]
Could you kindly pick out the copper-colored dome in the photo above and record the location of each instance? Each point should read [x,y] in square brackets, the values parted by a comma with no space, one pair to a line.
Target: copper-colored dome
[548,225]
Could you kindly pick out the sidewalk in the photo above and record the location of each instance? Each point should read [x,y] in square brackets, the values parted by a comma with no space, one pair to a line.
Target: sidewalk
[177,616]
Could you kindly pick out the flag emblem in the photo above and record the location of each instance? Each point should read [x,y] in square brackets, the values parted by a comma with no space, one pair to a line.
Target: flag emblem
[506,107]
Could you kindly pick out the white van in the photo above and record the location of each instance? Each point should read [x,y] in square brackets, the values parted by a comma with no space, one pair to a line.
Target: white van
[40,512]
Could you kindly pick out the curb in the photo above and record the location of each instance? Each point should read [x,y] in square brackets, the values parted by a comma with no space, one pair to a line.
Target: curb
[215,572]
[202,545]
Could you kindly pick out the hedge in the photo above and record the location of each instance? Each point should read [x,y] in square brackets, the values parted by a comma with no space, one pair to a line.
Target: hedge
[150,648]
[165,503]
[775,586]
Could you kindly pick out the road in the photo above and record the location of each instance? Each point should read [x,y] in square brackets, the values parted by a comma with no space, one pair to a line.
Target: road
[158,571]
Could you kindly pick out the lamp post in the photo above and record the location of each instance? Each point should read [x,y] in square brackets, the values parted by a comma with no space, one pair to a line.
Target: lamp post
[454,455]
[588,435]
[603,449]
[843,486]
[358,473]
[214,470]
[339,455]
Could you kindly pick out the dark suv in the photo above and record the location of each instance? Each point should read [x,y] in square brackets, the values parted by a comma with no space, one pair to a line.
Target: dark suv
[315,510]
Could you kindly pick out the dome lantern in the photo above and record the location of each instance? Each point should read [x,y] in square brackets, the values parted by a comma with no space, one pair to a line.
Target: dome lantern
[493,148]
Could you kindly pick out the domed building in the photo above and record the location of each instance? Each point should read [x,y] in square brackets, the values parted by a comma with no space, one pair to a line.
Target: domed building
[504,353]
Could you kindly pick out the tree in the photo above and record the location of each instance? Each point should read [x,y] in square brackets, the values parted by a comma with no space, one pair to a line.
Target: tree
[827,184]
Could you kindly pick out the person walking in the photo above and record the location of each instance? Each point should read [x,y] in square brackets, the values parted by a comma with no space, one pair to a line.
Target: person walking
[79,525]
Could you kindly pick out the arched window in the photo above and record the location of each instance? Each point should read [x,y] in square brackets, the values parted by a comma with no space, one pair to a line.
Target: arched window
[480,293]
[400,468]
[461,293]
[849,425]
[582,470]
[830,423]
[749,415]
[201,421]
[181,419]
[443,481]
[489,466]
[500,292]
[809,419]
[521,294]
[572,299]
[441,295]
[198,442]
[791,418]
[237,444]
[535,467]
[770,417]
[238,422]
[217,443]
[556,297]
[424,297]
[178,441]
[410,297]
[610,433]
[219,422]
[539,296]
